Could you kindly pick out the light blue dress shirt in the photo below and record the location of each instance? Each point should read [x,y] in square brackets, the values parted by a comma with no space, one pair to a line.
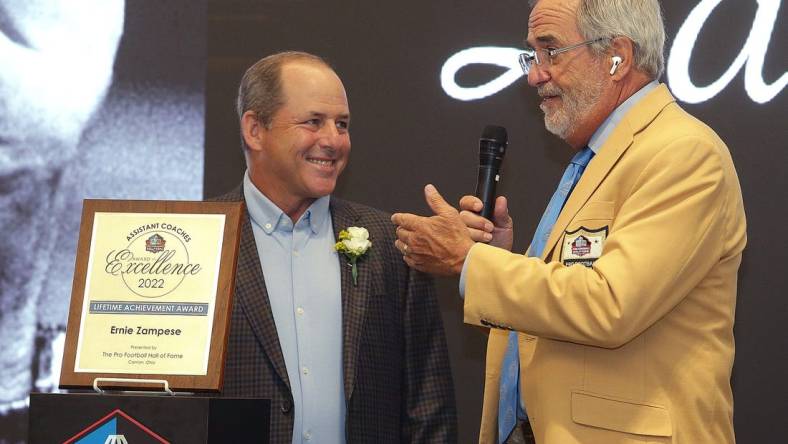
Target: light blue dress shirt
[597,140]
[302,276]
[603,132]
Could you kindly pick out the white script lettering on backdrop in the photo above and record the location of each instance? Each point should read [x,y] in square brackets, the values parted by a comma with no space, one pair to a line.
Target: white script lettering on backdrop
[752,54]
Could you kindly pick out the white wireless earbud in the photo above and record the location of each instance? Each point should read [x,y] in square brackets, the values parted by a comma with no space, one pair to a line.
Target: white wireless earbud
[616,61]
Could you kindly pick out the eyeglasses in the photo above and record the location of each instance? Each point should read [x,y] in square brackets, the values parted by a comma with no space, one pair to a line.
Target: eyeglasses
[531,55]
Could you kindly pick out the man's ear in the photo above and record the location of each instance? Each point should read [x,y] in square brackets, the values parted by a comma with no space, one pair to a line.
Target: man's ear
[252,130]
[622,52]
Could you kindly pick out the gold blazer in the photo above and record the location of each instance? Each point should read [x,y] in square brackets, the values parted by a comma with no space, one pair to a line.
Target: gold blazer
[627,319]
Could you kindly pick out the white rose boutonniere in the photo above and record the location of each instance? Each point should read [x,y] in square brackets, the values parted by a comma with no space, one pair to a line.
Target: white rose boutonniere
[353,243]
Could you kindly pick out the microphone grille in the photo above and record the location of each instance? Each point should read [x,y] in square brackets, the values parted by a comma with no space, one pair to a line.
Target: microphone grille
[495,132]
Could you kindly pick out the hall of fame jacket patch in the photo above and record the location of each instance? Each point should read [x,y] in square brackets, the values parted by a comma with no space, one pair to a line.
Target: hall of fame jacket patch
[583,246]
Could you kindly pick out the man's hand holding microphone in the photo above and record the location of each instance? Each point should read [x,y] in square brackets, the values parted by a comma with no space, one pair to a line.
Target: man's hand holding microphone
[439,244]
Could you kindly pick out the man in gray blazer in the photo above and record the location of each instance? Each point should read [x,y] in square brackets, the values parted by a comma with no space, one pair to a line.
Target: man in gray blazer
[347,350]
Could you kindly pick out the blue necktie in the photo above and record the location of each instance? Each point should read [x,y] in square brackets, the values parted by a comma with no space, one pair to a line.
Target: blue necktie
[509,385]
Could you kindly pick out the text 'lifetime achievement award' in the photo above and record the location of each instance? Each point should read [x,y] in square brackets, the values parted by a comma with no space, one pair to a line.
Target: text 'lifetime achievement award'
[153,297]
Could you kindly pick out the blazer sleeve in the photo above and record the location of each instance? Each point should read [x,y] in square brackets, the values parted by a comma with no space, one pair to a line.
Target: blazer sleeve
[666,237]
[429,411]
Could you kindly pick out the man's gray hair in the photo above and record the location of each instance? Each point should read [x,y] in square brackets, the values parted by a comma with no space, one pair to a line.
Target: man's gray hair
[639,20]
[261,85]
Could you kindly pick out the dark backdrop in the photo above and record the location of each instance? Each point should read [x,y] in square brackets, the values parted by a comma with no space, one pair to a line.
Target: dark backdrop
[407,132]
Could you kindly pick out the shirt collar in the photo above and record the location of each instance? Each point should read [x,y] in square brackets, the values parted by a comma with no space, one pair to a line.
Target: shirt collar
[603,132]
[271,218]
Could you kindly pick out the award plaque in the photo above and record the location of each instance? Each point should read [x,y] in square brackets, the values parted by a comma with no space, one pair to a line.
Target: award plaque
[152,294]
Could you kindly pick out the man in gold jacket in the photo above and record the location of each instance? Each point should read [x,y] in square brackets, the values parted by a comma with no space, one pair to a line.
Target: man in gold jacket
[626,318]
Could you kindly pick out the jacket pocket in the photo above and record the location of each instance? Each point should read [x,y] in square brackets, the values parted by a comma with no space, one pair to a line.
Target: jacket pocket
[619,415]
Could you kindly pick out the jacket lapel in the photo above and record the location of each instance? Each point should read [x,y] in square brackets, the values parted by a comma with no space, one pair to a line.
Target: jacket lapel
[353,296]
[619,141]
[251,294]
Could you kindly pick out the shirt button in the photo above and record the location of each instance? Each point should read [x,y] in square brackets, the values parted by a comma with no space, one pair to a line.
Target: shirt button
[300,310]
[307,436]
[295,253]
[305,370]
[268,226]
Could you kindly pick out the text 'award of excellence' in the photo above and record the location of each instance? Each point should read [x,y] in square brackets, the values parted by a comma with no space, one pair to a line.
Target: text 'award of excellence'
[151,298]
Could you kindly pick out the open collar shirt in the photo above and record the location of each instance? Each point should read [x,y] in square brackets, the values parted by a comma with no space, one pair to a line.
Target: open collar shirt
[302,277]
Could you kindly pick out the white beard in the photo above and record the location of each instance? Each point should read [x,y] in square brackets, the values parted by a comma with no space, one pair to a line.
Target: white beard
[575,104]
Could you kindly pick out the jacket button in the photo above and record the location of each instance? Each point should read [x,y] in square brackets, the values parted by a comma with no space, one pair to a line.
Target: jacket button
[286,406]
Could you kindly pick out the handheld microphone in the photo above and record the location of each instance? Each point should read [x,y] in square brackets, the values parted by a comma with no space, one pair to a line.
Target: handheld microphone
[492,147]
